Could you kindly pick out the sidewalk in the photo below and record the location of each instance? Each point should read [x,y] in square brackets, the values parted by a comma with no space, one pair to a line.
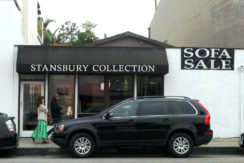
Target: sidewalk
[223,142]
[218,146]
[216,142]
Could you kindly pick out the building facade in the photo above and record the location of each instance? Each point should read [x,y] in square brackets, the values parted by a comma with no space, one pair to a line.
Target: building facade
[206,23]
[87,79]
[90,79]
[18,27]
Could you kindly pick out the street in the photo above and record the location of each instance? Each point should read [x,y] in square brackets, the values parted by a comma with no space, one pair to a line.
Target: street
[126,155]
[142,159]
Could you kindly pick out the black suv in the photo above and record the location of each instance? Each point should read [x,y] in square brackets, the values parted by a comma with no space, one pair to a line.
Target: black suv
[177,123]
[8,135]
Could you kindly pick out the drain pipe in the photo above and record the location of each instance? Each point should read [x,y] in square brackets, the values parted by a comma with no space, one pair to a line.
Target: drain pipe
[135,86]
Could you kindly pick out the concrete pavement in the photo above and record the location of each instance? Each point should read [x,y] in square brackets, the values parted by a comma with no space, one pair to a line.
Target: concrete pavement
[216,142]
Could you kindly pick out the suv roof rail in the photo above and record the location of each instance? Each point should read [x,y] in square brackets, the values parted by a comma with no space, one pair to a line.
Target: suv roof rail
[180,97]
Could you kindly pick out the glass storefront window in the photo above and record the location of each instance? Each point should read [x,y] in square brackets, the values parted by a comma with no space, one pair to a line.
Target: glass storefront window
[149,85]
[97,92]
[117,88]
[91,93]
[30,92]
[63,86]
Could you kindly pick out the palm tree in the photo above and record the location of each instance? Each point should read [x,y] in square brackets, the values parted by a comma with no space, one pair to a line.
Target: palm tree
[46,23]
[49,37]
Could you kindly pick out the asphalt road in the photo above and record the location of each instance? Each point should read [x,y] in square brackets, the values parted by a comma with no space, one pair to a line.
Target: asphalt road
[125,155]
[192,159]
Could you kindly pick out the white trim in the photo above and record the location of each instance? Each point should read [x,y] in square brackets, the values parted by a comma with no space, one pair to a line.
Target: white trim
[151,115]
[241,97]
[76,95]
[146,116]
[16,88]
[135,86]
[46,90]
[29,132]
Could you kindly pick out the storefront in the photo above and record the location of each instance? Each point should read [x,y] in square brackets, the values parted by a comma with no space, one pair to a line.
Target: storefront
[87,79]
[90,79]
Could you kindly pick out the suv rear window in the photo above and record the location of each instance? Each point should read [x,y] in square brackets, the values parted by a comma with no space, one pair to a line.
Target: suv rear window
[179,107]
[152,108]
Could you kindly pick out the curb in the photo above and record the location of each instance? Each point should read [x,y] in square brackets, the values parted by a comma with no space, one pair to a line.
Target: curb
[125,152]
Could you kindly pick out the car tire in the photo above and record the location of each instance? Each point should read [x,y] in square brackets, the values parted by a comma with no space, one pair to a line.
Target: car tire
[82,145]
[180,145]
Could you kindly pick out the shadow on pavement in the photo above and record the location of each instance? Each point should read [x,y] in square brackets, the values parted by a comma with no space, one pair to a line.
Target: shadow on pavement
[120,152]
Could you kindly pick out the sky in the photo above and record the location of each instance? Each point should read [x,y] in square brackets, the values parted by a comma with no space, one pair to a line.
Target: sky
[111,16]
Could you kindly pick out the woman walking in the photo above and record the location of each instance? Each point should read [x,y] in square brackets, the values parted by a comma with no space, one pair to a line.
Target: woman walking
[41,129]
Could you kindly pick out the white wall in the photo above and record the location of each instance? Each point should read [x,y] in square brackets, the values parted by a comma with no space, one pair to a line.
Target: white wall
[10,35]
[29,22]
[16,27]
[218,91]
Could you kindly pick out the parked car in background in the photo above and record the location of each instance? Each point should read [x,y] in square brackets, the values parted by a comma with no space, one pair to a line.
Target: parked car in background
[177,123]
[241,140]
[8,135]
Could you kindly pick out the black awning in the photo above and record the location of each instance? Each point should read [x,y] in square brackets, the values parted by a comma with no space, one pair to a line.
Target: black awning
[71,59]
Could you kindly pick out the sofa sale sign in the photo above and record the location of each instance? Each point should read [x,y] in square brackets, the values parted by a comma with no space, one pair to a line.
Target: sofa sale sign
[207,59]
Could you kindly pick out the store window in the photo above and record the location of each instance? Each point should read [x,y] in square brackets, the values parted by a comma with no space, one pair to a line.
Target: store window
[117,88]
[91,93]
[149,85]
[97,92]
[63,86]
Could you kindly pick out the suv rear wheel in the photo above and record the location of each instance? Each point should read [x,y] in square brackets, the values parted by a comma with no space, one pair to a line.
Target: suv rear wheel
[180,145]
[82,145]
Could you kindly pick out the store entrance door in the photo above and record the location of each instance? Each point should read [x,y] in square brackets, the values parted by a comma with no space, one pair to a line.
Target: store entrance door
[29,94]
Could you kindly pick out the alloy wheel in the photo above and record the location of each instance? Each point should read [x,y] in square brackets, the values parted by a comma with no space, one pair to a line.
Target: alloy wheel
[181,145]
[82,145]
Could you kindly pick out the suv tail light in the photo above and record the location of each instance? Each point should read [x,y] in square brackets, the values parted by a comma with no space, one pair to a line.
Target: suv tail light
[207,118]
[10,125]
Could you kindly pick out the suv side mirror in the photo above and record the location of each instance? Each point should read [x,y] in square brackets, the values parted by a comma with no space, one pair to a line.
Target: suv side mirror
[108,115]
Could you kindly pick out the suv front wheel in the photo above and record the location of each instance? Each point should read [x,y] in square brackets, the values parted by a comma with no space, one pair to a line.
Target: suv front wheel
[82,145]
[180,145]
